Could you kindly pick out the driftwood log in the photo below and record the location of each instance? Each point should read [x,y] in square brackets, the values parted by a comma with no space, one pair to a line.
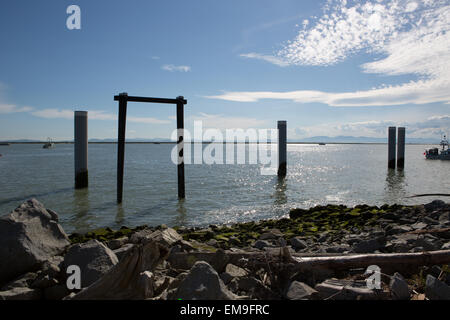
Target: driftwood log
[297,262]
[131,278]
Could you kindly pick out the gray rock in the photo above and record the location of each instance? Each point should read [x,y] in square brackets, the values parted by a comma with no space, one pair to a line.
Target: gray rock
[219,260]
[212,242]
[93,258]
[29,236]
[235,271]
[122,251]
[391,216]
[444,217]
[226,277]
[337,249]
[271,234]
[21,293]
[57,292]
[261,244]
[298,244]
[367,246]
[166,237]
[427,244]
[399,230]
[117,243]
[254,287]
[399,287]
[446,246]
[419,226]
[398,245]
[430,220]
[202,283]
[300,291]
[436,289]
[44,281]
[23,281]
[435,204]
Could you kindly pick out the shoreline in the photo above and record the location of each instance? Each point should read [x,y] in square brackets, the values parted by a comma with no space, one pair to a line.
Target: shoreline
[319,253]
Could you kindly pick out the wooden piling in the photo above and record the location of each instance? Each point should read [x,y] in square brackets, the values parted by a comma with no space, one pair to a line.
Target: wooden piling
[282,150]
[401,148]
[391,147]
[81,149]
[180,147]
[121,144]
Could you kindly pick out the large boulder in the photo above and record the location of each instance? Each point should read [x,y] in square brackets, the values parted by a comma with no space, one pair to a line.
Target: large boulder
[436,289]
[93,258]
[29,236]
[202,283]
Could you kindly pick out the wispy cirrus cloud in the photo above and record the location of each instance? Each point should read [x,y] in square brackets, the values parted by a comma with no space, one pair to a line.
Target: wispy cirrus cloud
[93,115]
[413,36]
[275,60]
[174,68]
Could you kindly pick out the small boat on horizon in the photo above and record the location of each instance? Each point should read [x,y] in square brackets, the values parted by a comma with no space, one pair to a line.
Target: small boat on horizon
[49,144]
[434,154]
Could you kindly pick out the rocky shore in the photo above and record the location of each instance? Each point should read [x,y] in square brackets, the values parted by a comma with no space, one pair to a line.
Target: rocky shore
[320,253]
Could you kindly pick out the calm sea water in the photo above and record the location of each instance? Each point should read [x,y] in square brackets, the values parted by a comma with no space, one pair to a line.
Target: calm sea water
[317,175]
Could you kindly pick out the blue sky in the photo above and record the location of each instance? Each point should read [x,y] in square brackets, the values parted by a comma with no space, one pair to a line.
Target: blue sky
[327,67]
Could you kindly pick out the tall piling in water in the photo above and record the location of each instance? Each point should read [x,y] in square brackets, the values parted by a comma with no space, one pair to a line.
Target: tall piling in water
[401,148]
[81,149]
[121,144]
[391,147]
[282,150]
[180,147]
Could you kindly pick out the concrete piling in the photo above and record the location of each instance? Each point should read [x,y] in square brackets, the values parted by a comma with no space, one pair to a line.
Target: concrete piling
[81,149]
[282,149]
[401,148]
[391,147]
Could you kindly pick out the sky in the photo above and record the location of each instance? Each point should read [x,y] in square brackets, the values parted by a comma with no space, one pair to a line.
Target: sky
[330,67]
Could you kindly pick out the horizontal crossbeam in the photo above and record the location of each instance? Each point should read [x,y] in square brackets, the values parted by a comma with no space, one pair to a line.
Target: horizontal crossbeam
[147,99]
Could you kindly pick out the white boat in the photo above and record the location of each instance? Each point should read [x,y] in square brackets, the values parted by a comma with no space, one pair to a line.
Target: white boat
[434,154]
[49,144]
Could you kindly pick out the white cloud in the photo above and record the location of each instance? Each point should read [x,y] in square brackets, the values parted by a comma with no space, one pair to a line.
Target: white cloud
[268,58]
[431,127]
[173,68]
[10,108]
[53,114]
[413,37]
[93,115]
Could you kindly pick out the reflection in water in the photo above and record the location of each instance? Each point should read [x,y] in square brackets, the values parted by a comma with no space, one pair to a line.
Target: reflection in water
[280,192]
[394,190]
[120,215]
[82,206]
[180,219]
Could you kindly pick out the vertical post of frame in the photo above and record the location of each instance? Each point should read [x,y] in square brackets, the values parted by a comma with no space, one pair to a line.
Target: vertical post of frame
[121,144]
[180,147]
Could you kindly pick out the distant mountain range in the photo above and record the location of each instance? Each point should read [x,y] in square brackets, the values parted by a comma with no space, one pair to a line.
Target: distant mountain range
[351,139]
[317,139]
